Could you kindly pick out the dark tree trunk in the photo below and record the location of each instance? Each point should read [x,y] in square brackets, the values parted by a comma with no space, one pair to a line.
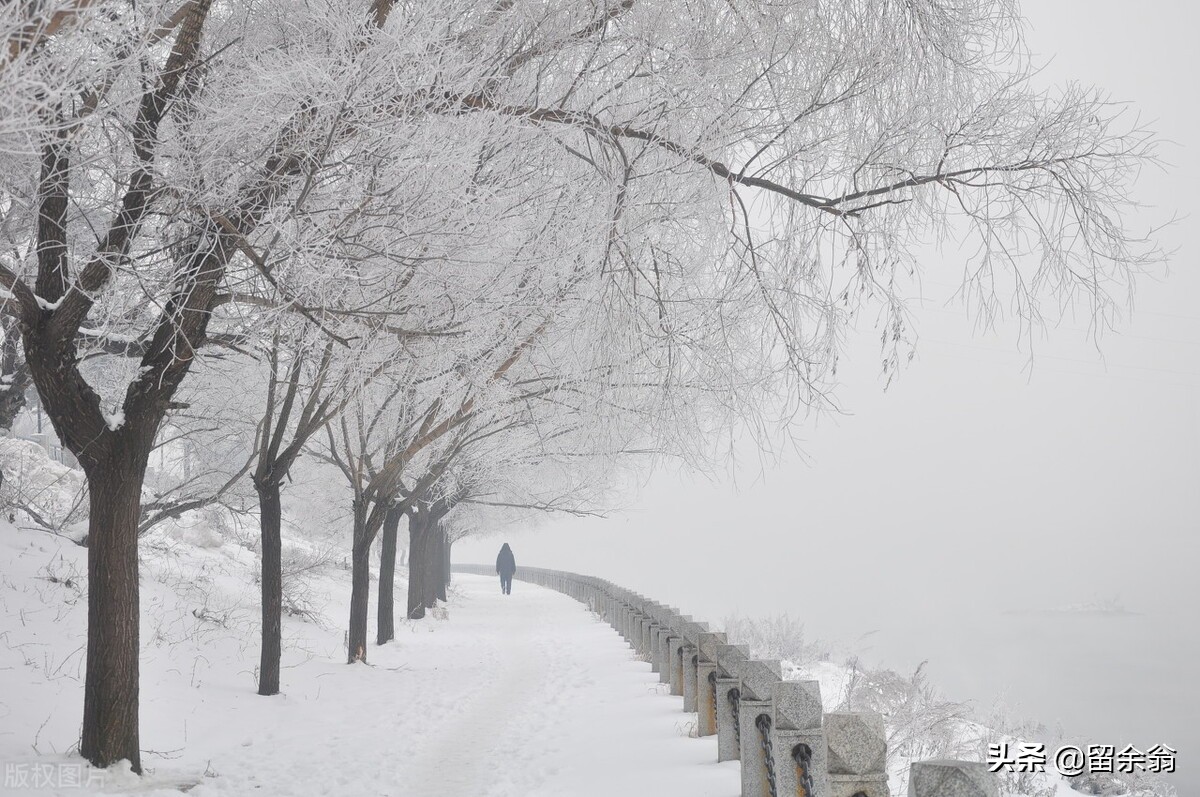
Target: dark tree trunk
[441,564]
[17,378]
[385,621]
[113,450]
[360,585]
[431,569]
[270,519]
[445,564]
[110,696]
[114,454]
[418,539]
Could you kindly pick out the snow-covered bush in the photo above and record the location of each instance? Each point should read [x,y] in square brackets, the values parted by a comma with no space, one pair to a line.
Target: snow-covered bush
[48,493]
[779,636]
[921,724]
[301,563]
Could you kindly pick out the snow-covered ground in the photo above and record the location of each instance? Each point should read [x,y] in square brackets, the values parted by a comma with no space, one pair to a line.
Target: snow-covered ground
[527,694]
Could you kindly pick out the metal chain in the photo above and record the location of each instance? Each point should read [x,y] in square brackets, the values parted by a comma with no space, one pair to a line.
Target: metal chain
[735,698]
[802,755]
[763,723]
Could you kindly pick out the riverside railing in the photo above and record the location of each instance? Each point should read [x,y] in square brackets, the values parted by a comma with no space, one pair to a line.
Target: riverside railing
[778,730]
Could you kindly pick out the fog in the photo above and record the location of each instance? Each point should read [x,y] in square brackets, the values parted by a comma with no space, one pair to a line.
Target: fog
[983,481]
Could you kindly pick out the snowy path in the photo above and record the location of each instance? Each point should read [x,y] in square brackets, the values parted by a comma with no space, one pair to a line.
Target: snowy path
[513,696]
[527,694]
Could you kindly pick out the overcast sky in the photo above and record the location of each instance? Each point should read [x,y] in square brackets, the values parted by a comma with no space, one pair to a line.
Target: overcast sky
[978,482]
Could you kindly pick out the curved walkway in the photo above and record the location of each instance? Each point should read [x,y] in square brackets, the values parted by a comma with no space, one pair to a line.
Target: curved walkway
[526,695]
[514,696]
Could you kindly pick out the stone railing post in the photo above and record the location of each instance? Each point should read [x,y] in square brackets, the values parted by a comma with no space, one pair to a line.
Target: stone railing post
[661,616]
[687,679]
[639,628]
[755,777]
[683,676]
[798,740]
[681,631]
[757,678]
[648,628]
[856,744]
[728,694]
[677,649]
[942,778]
[704,680]
[641,625]
[665,635]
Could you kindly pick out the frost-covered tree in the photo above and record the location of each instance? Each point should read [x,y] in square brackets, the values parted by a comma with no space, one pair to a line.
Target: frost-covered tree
[548,444]
[313,375]
[305,391]
[496,478]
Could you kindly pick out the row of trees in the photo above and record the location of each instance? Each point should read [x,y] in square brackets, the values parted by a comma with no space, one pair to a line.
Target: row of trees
[483,254]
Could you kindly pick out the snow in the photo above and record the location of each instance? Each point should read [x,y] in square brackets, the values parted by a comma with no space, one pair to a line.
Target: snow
[45,305]
[836,679]
[39,485]
[527,694]
[115,419]
[115,337]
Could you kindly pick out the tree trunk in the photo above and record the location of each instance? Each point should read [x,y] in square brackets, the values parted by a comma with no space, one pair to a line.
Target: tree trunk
[110,694]
[446,575]
[360,586]
[441,564]
[418,535]
[431,569]
[270,519]
[15,373]
[386,623]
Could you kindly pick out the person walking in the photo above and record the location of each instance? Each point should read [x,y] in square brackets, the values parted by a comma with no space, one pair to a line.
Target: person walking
[506,565]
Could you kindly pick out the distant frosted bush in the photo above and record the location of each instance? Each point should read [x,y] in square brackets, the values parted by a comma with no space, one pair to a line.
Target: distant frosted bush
[779,636]
[48,493]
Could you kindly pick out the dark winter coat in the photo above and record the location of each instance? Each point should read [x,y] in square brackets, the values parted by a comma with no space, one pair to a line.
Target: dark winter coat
[506,565]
